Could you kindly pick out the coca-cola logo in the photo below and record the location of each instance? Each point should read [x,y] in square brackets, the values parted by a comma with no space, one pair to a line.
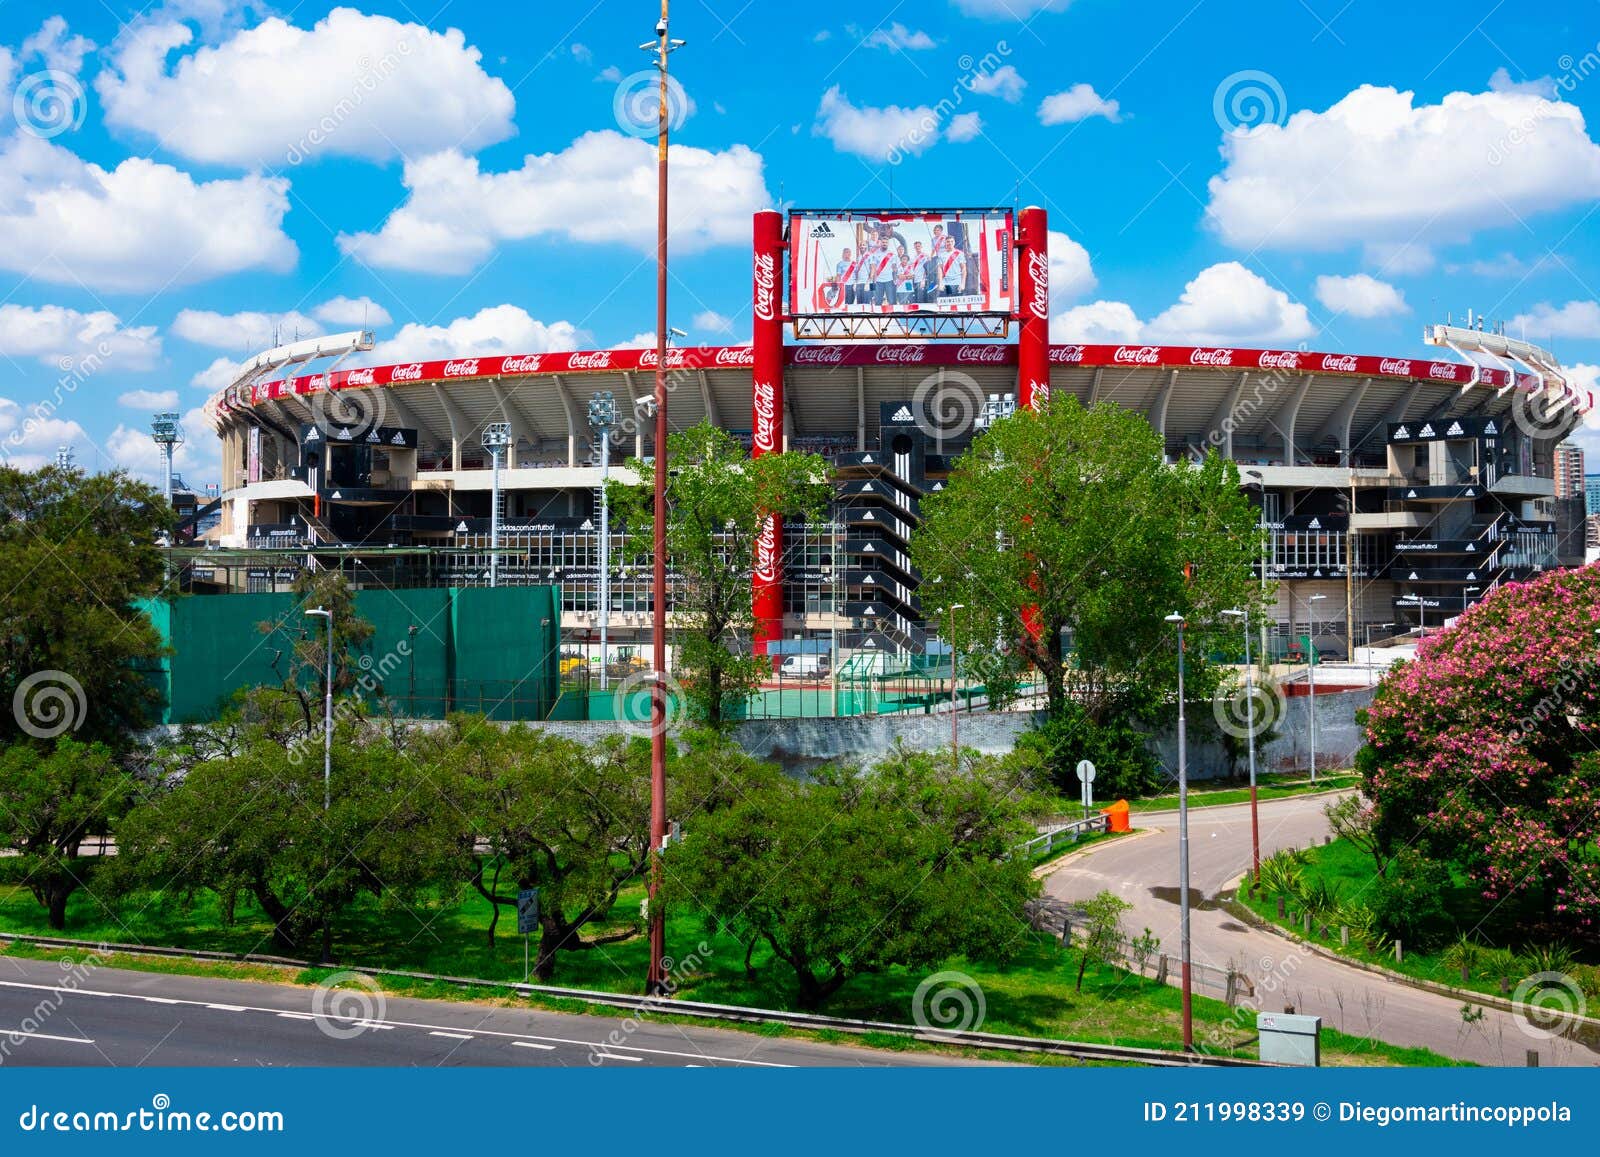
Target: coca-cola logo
[1339,363]
[1395,366]
[1041,394]
[764,408]
[1211,357]
[1067,355]
[735,356]
[986,354]
[1442,370]
[767,552]
[1282,360]
[816,355]
[1039,298]
[359,377]
[317,382]
[465,368]
[648,358]
[902,354]
[411,373]
[525,364]
[598,360]
[1146,355]
[766,287]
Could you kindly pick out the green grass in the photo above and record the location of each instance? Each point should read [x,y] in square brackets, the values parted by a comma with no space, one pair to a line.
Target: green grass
[1032,996]
[1217,793]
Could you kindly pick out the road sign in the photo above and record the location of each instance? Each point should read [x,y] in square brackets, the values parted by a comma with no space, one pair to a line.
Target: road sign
[1086,777]
[528,911]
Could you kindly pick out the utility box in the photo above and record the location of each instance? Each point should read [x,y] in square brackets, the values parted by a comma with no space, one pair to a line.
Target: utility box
[1289,1039]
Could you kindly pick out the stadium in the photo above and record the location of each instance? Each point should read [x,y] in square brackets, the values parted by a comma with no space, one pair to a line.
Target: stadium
[1395,491]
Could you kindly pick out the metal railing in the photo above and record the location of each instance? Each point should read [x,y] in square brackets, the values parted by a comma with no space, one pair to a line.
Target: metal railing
[1067,833]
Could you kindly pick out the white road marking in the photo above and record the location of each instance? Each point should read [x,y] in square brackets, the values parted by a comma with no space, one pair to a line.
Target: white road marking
[298,1015]
[616,1057]
[528,1044]
[451,1035]
[229,1007]
[9,1033]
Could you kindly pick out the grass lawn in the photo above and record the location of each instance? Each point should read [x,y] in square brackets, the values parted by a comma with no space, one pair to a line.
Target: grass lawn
[1033,996]
[1216,793]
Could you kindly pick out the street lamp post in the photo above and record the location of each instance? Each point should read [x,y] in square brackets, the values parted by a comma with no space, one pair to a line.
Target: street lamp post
[496,437]
[602,419]
[1183,846]
[1250,715]
[955,716]
[1372,668]
[1311,675]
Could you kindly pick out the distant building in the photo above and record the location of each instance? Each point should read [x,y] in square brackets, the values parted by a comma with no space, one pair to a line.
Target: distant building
[1591,493]
[1569,471]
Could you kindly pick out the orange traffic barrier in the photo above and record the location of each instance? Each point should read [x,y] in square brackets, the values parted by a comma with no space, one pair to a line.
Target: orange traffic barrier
[1118,816]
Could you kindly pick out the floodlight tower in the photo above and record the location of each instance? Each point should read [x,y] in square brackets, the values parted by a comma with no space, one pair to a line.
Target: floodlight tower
[602,420]
[496,437]
[167,433]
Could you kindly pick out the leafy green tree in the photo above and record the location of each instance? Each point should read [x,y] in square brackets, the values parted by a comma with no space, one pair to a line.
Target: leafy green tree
[77,552]
[1102,935]
[1098,541]
[302,641]
[717,498]
[50,800]
[858,871]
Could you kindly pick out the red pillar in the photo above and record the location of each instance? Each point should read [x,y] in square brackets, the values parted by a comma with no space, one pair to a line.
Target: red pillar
[766,403]
[1033,308]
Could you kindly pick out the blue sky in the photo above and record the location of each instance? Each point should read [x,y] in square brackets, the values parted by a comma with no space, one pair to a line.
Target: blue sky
[178,181]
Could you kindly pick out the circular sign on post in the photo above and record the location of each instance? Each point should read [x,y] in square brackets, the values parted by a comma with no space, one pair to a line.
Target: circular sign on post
[1085,771]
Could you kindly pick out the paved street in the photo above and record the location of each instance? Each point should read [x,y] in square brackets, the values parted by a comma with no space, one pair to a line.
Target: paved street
[1143,869]
[121,1018]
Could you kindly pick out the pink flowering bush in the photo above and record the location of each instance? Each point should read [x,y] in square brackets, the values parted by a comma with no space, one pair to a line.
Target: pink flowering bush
[1485,751]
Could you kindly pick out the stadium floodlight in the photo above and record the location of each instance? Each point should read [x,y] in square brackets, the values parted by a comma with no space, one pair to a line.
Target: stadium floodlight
[167,433]
[496,437]
[602,420]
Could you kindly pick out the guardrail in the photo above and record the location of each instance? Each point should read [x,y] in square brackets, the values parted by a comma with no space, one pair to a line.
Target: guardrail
[1067,833]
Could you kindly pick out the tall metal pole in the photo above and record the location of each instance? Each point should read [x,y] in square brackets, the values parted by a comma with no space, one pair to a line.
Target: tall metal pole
[1250,712]
[494,522]
[955,716]
[605,549]
[656,979]
[327,719]
[1183,848]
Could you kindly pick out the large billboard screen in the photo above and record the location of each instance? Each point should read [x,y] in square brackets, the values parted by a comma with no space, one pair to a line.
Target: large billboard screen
[897,263]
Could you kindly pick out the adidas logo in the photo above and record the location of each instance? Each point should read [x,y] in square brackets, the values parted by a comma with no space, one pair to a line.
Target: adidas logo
[313,435]
[1402,432]
[1314,524]
[1412,577]
[1455,428]
[903,414]
[372,435]
[399,439]
[820,229]
[461,528]
[344,434]
[866,459]
[1471,549]
[1426,431]
[1490,428]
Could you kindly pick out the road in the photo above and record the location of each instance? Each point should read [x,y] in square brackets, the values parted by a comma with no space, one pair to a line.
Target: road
[55,1014]
[1143,869]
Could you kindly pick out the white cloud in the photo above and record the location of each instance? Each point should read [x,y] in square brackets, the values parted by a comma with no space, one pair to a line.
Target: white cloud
[582,53]
[352,311]
[1075,104]
[1360,296]
[1071,275]
[1375,168]
[140,226]
[1018,10]
[29,437]
[710,321]
[148,399]
[1398,258]
[1004,82]
[1095,323]
[877,134]
[1228,303]
[611,74]
[963,127]
[218,375]
[600,189]
[498,329]
[644,340]
[244,333]
[353,85]
[58,50]
[1539,86]
[1579,319]
[63,337]
[896,37]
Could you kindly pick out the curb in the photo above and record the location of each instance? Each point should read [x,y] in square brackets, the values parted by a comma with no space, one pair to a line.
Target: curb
[1245,802]
[1044,871]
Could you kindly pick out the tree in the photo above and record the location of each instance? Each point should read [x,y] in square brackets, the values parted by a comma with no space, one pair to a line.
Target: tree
[1101,942]
[302,656]
[1097,540]
[50,800]
[77,553]
[717,499]
[855,872]
[1481,751]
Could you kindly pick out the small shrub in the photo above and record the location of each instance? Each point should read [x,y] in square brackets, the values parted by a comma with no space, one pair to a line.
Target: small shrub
[1408,901]
[1465,953]
[1547,958]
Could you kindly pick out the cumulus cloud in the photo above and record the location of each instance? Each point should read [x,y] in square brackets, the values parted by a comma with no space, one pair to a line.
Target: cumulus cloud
[1376,168]
[1579,319]
[1004,82]
[1360,296]
[352,311]
[139,226]
[896,37]
[644,340]
[1071,275]
[56,48]
[1224,304]
[600,189]
[963,126]
[1501,81]
[30,435]
[710,321]
[1098,322]
[246,332]
[218,375]
[877,134]
[1075,104]
[148,399]
[63,337]
[352,85]
[498,329]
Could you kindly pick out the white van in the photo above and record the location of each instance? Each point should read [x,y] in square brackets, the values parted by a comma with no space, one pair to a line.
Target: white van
[804,666]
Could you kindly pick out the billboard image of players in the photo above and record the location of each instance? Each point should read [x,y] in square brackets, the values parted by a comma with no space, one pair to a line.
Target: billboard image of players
[900,263]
